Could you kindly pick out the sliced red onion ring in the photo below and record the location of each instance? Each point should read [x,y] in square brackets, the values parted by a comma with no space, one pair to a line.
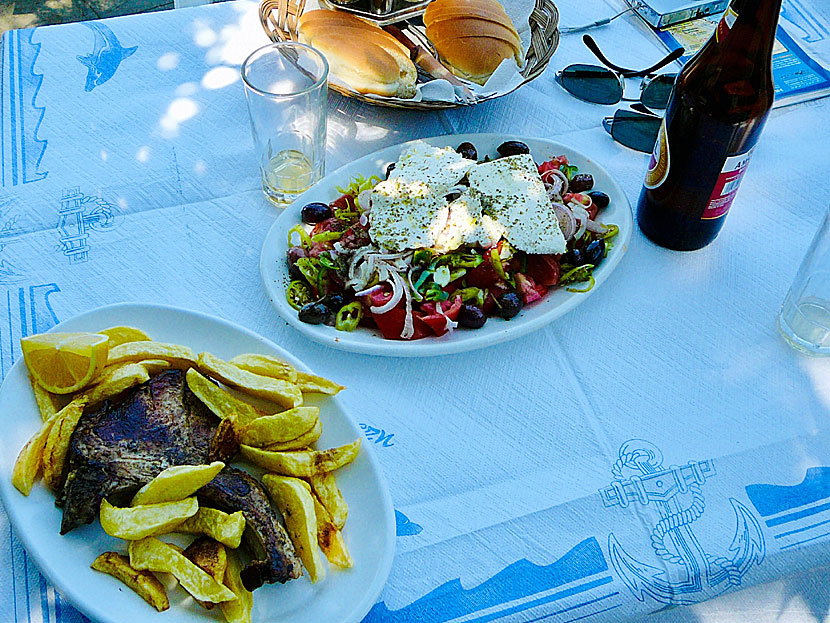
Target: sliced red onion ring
[364,200]
[595,227]
[547,175]
[374,288]
[567,222]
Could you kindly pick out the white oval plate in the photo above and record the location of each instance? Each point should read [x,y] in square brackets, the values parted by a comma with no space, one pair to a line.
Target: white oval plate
[363,340]
[344,596]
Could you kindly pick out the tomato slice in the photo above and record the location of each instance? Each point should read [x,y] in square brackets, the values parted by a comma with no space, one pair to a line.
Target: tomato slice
[437,322]
[529,290]
[391,323]
[544,269]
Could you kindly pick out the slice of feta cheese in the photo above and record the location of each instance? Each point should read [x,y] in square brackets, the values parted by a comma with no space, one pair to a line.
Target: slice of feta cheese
[513,195]
[406,215]
[440,168]
[466,225]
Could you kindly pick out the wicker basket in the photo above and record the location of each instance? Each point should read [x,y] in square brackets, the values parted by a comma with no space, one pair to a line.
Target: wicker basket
[279,20]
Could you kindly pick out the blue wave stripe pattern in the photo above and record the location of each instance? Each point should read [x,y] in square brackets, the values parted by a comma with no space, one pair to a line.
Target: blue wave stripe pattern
[518,580]
[21,151]
[774,499]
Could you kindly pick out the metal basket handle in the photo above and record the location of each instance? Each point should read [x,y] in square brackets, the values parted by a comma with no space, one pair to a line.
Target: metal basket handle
[279,18]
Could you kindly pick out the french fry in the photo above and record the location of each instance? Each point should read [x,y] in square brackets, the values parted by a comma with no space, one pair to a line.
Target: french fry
[47,402]
[155,555]
[310,383]
[279,391]
[330,539]
[265,365]
[179,357]
[280,427]
[29,462]
[225,443]
[176,483]
[221,402]
[295,501]
[326,489]
[302,464]
[238,610]
[155,366]
[114,380]
[57,443]
[298,443]
[122,335]
[219,526]
[137,522]
[144,583]
[211,558]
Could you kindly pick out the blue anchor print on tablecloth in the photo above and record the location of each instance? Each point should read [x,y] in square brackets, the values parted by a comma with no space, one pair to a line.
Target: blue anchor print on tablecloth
[676,492]
[404,526]
[105,57]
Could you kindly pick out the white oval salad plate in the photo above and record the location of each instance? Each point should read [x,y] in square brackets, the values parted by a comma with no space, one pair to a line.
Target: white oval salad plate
[344,595]
[555,303]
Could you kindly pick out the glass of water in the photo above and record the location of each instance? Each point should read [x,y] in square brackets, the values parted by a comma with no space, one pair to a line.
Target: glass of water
[804,320]
[286,90]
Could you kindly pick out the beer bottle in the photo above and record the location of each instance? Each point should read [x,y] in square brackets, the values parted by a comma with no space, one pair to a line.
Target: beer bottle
[713,120]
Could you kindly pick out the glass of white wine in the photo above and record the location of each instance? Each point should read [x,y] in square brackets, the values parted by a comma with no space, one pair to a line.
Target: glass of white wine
[286,90]
[804,320]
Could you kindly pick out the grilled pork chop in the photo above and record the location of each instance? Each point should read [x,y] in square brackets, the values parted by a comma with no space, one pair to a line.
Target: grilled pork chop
[120,447]
[275,559]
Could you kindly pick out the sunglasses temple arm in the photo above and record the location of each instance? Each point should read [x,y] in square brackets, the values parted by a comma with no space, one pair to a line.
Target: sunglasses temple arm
[630,73]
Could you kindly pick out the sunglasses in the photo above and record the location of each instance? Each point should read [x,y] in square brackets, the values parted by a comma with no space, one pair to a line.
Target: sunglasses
[606,85]
[634,129]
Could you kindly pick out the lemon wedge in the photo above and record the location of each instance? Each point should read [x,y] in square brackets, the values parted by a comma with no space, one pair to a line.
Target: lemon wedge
[65,362]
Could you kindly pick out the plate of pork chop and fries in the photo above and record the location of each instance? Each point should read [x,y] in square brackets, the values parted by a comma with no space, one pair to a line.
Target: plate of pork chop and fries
[199,465]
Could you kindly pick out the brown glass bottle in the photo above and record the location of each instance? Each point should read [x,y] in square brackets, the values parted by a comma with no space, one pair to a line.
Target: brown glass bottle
[713,120]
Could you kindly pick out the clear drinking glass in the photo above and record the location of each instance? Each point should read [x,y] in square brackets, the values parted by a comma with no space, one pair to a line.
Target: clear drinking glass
[804,319]
[285,86]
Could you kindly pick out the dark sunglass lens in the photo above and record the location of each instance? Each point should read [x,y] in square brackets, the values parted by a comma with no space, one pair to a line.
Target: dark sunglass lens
[592,84]
[635,130]
[657,91]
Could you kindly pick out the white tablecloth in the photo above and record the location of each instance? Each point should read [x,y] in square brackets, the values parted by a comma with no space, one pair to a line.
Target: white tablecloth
[523,474]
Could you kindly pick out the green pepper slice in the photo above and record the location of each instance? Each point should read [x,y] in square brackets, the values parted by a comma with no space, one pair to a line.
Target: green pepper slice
[327,236]
[305,239]
[349,316]
[298,294]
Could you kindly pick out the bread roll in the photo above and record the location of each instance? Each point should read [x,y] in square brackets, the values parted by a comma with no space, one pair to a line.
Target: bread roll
[362,55]
[472,37]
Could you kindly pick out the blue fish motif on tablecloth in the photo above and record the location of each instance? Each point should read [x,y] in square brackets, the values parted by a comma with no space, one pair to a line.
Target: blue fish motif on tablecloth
[405,527]
[105,57]
[797,514]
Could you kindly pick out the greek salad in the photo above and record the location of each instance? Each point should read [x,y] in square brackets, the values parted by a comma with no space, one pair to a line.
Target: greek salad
[447,241]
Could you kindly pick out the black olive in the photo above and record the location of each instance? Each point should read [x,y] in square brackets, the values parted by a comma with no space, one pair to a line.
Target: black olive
[512,148]
[471,317]
[575,257]
[581,182]
[509,305]
[468,150]
[314,313]
[600,199]
[389,168]
[452,196]
[595,251]
[334,301]
[294,254]
[316,212]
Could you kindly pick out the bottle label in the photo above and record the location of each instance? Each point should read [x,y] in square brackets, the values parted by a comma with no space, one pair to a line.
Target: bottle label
[658,164]
[725,24]
[726,187]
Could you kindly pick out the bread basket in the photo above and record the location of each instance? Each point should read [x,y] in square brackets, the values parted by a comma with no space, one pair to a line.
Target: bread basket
[279,20]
